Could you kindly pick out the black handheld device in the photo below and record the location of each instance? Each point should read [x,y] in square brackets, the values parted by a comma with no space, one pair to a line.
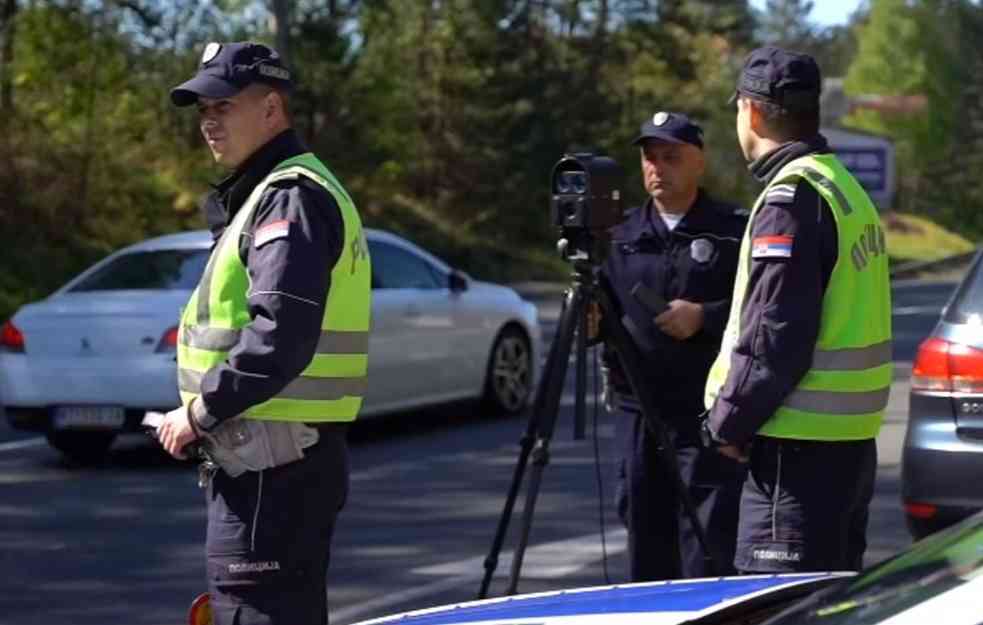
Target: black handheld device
[649,298]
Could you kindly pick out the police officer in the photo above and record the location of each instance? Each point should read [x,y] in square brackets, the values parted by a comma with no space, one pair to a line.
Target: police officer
[273,341]
[804,371]
[682,245]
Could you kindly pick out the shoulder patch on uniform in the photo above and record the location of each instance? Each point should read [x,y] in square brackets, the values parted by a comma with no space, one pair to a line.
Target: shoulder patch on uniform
[784,192]
[302,183]
[287,182]
[774,246]
[270,232]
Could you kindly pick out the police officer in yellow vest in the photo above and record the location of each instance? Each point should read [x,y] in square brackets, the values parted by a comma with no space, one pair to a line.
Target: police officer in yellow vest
[802,379]
[272,350]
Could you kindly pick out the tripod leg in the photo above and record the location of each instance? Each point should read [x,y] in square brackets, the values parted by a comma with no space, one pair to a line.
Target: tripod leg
[579,415]
[552,392]
[554,361]
[631,360]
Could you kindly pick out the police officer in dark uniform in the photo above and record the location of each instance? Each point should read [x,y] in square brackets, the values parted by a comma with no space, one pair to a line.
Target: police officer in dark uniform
[286,275]
[803,376]
[682,245]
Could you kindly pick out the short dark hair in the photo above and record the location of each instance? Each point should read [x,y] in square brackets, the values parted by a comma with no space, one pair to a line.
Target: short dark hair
[788,125]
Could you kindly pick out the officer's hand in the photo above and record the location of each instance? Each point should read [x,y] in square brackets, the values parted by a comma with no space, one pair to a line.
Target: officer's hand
[682,320]
[733,452]
[175,432]
[593,321]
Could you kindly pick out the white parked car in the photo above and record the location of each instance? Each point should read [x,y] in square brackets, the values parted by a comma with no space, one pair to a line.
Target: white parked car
[87,362]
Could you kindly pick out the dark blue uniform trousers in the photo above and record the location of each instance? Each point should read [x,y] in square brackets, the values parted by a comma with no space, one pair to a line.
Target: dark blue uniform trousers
[269,537]
[661,540]
[804,505]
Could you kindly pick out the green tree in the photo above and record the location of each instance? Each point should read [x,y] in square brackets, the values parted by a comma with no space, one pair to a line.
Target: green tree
[8,11]
[834,48]
[910,49]
[91,160]
[786,23]
[949,189]
[444,118]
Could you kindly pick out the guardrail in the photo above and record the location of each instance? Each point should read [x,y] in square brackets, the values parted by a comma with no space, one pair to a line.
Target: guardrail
[916,268]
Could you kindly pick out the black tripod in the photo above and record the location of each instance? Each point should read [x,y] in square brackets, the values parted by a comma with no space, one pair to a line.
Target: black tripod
[539,430]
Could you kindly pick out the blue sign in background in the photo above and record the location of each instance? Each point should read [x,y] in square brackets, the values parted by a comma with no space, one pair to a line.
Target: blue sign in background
[868,165]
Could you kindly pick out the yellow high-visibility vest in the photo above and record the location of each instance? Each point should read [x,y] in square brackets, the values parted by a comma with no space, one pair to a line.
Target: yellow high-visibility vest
[845,391]
[332,386]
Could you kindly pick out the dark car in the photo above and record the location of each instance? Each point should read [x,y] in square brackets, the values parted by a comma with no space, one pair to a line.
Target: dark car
[942,459]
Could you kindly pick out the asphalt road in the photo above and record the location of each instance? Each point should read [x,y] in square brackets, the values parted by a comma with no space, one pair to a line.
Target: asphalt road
[122,542]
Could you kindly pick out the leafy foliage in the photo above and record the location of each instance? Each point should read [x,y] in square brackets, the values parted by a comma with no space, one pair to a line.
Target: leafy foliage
[443,117]
[930,49]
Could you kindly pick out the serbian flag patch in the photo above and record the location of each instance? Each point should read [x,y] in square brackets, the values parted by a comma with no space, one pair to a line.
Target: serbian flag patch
[777,246]
[271,231]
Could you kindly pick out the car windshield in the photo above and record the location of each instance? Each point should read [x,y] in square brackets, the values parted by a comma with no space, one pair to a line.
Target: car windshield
[154,270]
[935,565]
[967,306]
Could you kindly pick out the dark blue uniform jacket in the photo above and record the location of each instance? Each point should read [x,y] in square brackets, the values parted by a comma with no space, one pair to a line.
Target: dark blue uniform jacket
[695,262]
[290,277]
[780,320]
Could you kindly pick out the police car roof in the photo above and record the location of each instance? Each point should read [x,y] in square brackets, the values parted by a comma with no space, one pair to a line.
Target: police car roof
[652,603]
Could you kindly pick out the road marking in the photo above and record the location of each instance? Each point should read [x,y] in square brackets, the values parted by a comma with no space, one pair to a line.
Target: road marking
[543,561]
[24,444]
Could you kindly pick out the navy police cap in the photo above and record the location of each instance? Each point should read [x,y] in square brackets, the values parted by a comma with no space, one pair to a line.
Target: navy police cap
[228,68]
[789,79]
[671,127]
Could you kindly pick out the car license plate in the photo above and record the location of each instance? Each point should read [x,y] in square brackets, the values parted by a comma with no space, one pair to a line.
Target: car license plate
[89,417]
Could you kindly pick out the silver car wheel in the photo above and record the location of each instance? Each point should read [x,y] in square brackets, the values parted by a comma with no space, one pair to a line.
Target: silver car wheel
[511,372]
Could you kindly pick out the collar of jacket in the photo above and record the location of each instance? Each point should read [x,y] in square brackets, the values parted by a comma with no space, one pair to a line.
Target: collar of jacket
[695,217]
[233,191]
[767,166]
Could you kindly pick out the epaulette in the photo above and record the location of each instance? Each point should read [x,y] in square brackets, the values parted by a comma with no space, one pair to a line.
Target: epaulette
[289,182]
[782,193]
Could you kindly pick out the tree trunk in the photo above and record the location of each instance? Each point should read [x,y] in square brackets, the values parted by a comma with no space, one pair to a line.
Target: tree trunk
[281,28]
[600,40]
[426,99]
[8,9]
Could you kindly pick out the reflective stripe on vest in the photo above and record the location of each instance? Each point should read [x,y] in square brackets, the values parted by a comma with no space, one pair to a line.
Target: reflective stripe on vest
[299,388]
[223,339]
[845,391]
[332,385]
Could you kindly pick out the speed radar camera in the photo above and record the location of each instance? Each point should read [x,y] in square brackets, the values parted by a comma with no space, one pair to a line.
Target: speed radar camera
[587,192]
[586,201]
